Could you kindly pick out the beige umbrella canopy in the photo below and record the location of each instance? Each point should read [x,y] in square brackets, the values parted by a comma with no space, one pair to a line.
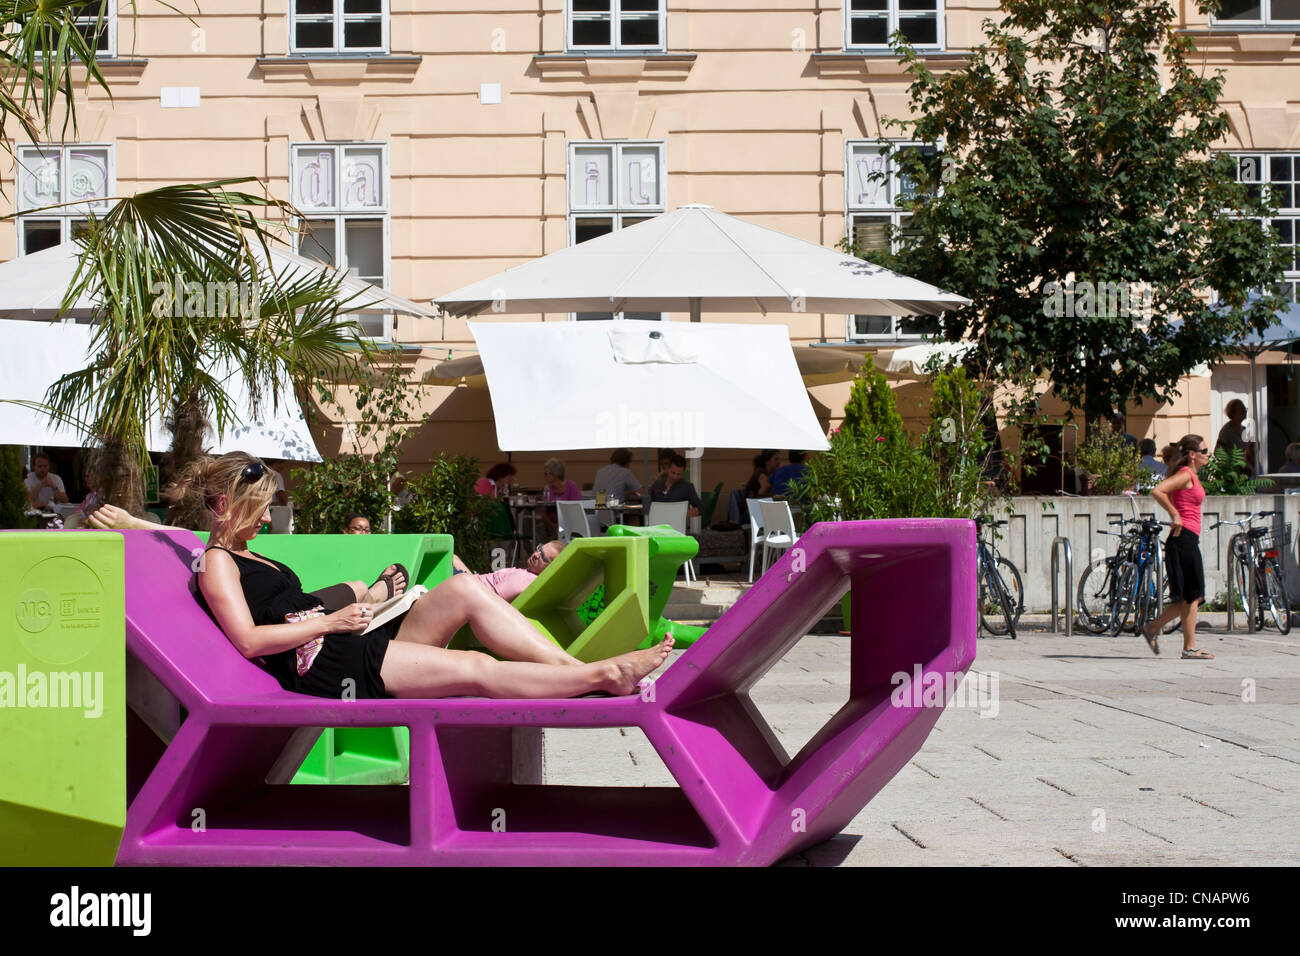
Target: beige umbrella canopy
[817,366]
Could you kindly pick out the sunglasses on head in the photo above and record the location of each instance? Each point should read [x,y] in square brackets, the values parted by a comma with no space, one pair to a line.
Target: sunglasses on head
[252,472]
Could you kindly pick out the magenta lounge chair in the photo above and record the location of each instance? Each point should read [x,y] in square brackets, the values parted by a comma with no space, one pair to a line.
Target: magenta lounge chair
[204,799]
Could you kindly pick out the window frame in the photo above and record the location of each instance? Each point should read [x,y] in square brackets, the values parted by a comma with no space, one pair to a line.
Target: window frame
[339,18]
[110,29]
[616,15]
[892,14]
[614,210]
[66,216]
[339,214]
[1265,21]
[895,215]
[1291,213]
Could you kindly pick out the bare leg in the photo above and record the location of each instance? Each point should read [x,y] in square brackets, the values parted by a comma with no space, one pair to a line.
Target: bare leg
[415,670]
[436,617]
[1177,609]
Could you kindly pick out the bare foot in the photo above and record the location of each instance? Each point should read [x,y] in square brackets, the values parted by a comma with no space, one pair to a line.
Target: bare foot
[627,670]
[379,590]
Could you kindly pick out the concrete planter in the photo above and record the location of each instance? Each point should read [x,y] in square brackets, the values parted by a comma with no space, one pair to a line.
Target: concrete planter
[1035,522]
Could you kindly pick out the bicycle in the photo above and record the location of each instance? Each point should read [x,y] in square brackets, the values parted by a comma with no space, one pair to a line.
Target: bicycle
[1258,550]
[999,596]
[1126,583]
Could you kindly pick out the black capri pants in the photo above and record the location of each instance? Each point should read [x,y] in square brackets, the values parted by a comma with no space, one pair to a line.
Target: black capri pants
[1183,567]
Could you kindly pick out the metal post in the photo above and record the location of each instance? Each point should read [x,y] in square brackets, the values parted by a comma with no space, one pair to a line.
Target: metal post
[1069,581]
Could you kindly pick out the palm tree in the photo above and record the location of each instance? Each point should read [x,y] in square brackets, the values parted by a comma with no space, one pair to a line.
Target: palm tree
[151,358]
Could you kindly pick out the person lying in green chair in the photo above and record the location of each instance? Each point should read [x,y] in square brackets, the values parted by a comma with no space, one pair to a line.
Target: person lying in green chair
[509,583]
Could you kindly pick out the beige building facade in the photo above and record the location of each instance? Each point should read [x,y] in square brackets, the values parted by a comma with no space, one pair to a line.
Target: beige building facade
[429,145]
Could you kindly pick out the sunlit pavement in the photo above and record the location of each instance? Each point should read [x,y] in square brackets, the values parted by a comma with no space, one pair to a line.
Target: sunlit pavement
[1092,752]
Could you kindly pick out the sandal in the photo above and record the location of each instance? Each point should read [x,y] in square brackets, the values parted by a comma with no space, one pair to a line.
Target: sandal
[390,572]
[1196,654]
[1151,639]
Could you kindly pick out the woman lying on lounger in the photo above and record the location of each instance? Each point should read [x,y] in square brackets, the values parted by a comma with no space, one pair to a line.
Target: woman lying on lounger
[261,607]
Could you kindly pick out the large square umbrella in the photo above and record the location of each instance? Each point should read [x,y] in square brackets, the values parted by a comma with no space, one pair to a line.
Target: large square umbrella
[606,384]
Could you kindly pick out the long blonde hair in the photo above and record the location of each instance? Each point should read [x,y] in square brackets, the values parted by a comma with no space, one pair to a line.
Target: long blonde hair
[207,479]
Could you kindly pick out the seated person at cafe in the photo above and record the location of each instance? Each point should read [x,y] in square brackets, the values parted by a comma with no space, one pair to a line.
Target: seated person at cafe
[1292,465]
[356,524]
[556,488]
[44,488]
[673,487]
[496,483]
[760,482]
[616,480]
[782,477]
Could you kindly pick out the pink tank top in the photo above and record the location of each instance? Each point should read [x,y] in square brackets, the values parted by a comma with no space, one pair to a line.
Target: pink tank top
[1187,502]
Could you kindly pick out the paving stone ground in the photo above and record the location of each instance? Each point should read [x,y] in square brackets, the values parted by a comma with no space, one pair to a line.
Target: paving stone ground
[1093,752]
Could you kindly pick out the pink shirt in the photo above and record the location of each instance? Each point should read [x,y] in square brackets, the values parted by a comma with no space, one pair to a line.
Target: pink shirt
[486,487]
[1187,502]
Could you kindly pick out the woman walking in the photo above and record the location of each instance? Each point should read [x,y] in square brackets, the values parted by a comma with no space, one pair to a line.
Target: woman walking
[1181,494]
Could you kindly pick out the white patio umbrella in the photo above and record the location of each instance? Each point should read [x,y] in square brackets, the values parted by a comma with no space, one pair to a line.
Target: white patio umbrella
[696,259]
[33,286]
[34,354]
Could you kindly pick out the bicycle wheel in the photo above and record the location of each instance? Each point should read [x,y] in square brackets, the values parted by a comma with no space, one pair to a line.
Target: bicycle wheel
[992,608]
[1122,600]
[1092,599]
[1275,594]
[1144,603]
[1015,588]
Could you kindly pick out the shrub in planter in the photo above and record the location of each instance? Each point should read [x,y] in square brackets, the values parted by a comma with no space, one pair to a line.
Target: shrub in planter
[328,492]
[13,493]
[443,501]
[1112,463]
[1226,474]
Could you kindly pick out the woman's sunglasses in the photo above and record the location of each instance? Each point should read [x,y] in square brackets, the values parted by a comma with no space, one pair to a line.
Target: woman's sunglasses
[252,472]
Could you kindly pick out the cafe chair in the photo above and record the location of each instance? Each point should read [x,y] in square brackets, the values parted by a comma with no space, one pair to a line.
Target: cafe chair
[755,531]
[573,523]
[673,514]
[778,528]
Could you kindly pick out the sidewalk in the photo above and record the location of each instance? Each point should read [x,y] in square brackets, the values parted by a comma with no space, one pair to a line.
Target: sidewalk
[1099,754]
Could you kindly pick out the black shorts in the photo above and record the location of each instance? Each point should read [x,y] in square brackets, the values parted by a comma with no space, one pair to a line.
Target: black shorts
[1183,567]
[348,665]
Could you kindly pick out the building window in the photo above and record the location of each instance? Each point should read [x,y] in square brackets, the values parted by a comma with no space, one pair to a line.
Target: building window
[873,212]
[338,26]
[616,24]
[1258,13]
[100,34]
[1275,177]
[342,192]
[870,23]
[51,175]
[612,185]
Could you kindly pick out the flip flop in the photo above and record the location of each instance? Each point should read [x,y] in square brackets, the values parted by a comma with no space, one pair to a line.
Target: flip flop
[1151,639]
[1196,654]
[391,572]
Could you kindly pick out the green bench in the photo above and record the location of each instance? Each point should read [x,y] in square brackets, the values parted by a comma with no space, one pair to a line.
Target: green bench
[669,550]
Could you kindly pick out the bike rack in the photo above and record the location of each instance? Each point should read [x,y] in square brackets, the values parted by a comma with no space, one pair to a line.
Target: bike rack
[1250,588]
[1069,581]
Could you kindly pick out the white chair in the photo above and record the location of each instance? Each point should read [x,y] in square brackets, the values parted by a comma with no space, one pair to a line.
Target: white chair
[673,514]
[572,520]
[778,528]
[755,530]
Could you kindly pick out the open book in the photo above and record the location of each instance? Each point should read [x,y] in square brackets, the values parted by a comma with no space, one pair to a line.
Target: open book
[385,611]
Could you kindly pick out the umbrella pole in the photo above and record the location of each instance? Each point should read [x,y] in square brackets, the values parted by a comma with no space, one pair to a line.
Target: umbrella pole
[1254,411]
[695,308]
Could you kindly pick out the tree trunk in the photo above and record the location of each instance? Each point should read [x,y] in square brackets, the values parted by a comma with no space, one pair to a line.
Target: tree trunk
[188,423]
[118,467]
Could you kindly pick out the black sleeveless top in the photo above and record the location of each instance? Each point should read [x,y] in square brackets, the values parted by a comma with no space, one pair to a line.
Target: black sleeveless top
[271,593]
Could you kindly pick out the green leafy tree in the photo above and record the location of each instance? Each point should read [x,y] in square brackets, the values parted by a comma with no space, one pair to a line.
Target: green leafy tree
[1079,158]
[384,413]
[443,501]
